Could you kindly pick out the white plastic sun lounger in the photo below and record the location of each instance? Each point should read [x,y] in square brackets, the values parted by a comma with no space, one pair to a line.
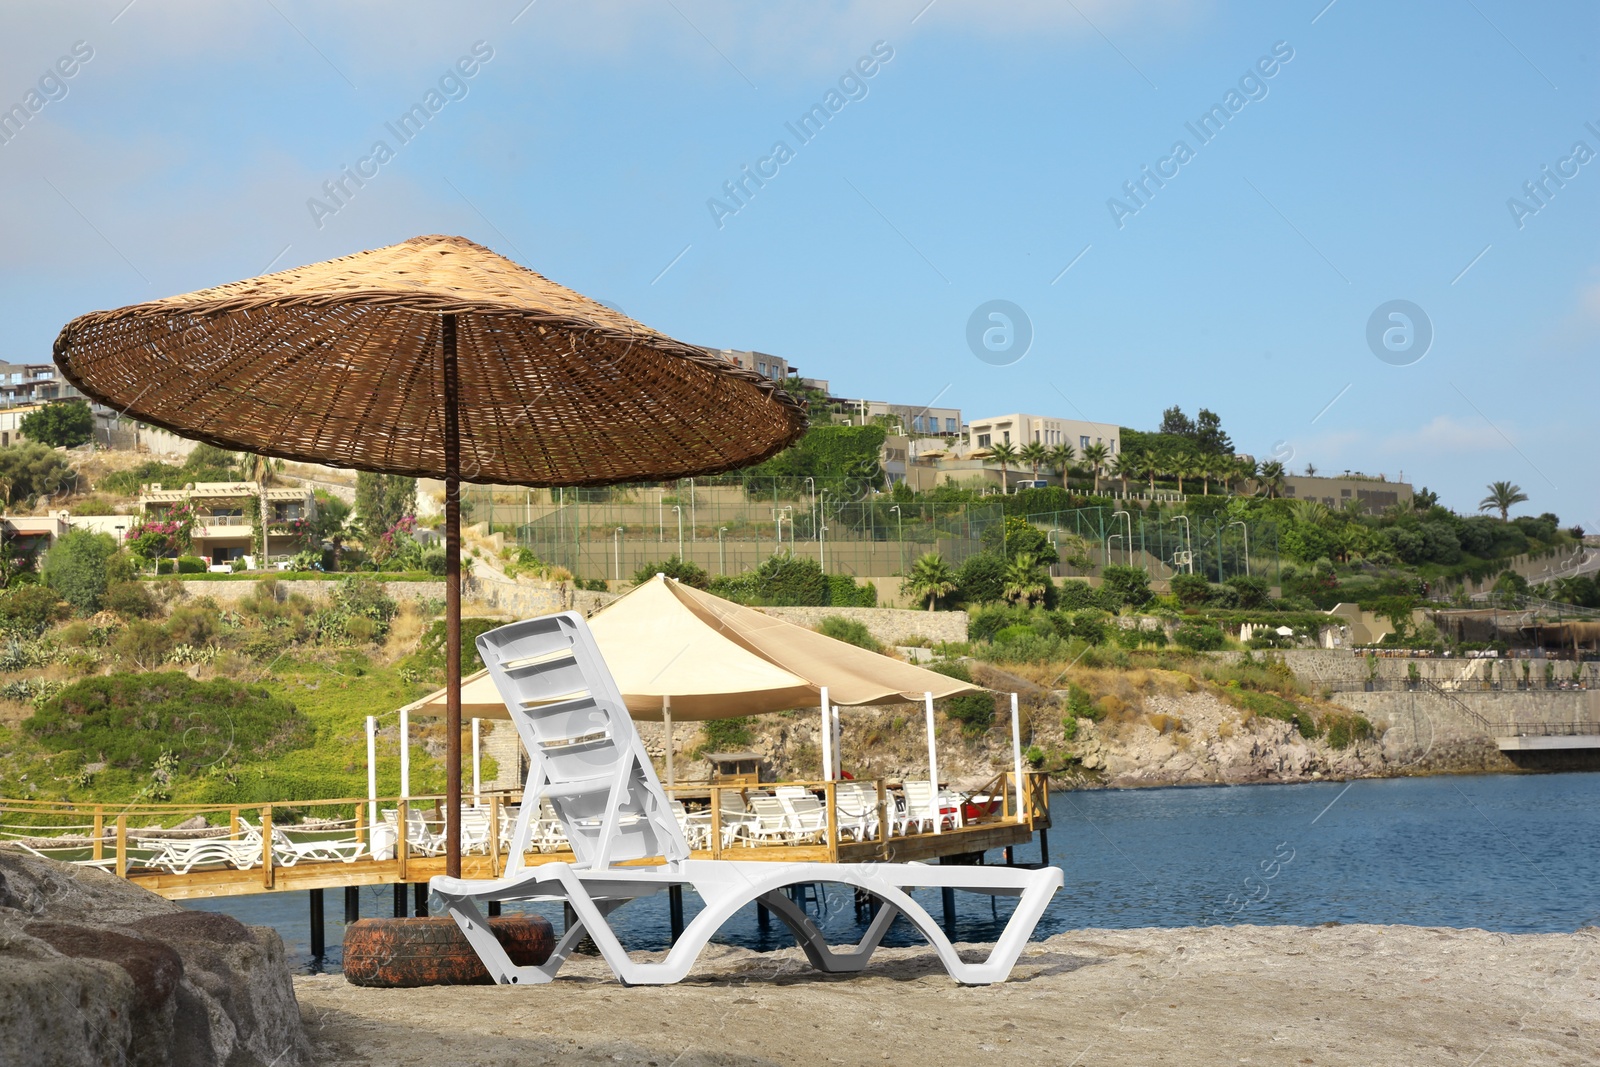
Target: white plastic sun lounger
[587,760]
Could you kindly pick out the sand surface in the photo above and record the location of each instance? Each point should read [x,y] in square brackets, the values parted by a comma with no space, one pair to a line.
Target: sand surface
[1360,995]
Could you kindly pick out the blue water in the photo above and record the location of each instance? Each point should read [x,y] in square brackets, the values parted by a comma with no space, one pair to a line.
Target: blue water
[1515,853]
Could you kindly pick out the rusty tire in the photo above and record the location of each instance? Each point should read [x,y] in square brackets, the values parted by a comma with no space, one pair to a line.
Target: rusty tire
[400,953]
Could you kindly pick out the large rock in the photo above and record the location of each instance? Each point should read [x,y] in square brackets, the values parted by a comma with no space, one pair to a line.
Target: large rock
[95,970]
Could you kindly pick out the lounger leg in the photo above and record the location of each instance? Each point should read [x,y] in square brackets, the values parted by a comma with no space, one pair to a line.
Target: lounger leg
[816,947]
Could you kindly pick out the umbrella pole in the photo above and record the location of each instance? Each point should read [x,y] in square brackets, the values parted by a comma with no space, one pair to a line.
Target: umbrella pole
[452,601]
[666,723]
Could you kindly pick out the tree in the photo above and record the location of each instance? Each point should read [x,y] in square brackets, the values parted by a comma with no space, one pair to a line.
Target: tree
[383,500]
[1060,460]
[1125,466]
[1424,499]
[1126,585]
[1184,465]
[1208,435]
[1502,497]
[1003,453]
[1241,470]
[689,573]
[76,568]
[59,424]
[1025,580]
[1146,465]
[1175,422]
[1095,456]
[931,578]
[1034,454]
[1272,479]
[32,470]
[1016,535]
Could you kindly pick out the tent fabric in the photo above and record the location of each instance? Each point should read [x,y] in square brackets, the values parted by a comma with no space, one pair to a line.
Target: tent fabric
[720,660]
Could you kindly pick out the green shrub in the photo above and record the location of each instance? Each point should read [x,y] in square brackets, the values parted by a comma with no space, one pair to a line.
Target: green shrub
[359,610]
[191,565]
[849,631]
[1273,706]
[1190,589]
[59,424]
[1069,728]
[144,643]
[1079,596]
[1081,705]
[723,735]
[974,711]
[981,579]
[1126,585]
[682,570]
[845,592]
[132,720]
[1346,730]
[1199,637]
[988,621]
[32,469]
[131,600]
[75,567]
[29,609]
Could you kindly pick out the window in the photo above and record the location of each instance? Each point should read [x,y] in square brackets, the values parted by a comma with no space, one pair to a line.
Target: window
[761,369]
[1344,492]
[983,440]
[1007,435]
[1083,442]
[949,425]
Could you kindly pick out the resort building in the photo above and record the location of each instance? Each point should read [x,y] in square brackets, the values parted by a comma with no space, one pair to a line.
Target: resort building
[910,420]
[775,368]
[225,526]
[33,383]
[1021,430]
[1375,492]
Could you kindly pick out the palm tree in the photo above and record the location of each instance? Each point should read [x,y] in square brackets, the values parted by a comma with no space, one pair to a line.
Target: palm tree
[1024,581]
[1060,460]
[931,578]
[1095,456]
[1502,497]
[1003,453]
[1125,466]
[1184,465]
[1033,453]
[1308,512]
[1149,465]
[1242,470]
[1272,479]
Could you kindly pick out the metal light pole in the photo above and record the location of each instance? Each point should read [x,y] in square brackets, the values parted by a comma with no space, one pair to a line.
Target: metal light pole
[812,482]
[1188,543]
[821,520]
[1246,530]
[899,523]
[679,509]
[822,549]
[1128,544]
[789,509]
[722,558]
[616,555]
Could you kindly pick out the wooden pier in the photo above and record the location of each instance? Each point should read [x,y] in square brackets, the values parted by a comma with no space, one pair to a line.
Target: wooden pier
[124,839]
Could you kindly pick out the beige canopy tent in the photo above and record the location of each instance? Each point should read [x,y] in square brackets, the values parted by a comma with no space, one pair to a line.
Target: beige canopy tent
[679,653]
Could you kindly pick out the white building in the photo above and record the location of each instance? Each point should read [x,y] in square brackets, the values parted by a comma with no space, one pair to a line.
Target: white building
[1021,430]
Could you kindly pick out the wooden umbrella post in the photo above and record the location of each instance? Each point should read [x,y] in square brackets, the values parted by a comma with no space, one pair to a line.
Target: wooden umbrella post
[452,600]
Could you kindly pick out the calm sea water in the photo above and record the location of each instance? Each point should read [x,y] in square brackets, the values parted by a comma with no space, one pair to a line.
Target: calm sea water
[1515,853]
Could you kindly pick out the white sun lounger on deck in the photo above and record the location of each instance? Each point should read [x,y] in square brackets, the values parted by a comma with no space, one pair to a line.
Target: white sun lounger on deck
[587,760]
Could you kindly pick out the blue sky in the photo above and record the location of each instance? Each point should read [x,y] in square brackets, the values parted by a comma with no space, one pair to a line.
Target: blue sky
[975,163]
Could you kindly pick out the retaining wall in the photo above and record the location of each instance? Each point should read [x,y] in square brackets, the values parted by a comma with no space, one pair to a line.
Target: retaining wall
[892,626]
[314,589]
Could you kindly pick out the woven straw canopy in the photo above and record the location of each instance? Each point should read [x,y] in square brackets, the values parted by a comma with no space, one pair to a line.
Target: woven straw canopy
[338,363]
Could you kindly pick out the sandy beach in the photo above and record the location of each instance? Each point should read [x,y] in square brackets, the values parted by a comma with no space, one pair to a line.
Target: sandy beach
[1358,995]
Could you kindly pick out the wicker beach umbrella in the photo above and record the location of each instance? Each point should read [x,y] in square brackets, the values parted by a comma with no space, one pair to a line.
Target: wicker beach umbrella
[430,358]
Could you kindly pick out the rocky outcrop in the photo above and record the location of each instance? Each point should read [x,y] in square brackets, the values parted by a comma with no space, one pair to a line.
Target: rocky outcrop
[94,970]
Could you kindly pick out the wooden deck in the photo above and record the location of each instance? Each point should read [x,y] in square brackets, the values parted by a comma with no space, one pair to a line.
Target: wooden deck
[113,835]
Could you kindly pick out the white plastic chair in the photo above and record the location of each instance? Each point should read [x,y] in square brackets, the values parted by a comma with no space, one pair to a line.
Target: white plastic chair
[808,819]
[857,804]
[771,823]
[585,755]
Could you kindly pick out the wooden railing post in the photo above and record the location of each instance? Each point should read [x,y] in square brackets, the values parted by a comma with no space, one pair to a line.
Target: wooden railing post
[830,798]
[266,847]
[494,835]
[401,848]
[99,831]
[233,822]
[122,846]
[883,816]
[363,833]
[716,822]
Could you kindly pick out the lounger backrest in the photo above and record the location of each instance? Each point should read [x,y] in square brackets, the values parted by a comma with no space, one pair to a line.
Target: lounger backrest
[585,756]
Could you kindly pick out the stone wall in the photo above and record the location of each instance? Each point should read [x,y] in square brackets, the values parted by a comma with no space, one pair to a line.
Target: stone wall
[530,599]
[313,589]
[892,626]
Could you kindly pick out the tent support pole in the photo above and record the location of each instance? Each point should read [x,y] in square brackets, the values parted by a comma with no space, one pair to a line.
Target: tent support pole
[452,599]
[477,765]
[405,754]
[1016,756]
[666,722]
[933,764]
[372,776]
[827,739]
